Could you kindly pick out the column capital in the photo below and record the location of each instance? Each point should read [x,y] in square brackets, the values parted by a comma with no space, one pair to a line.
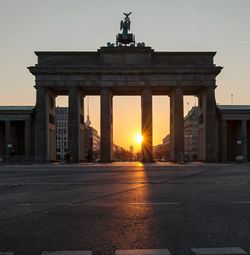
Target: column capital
[177,88]
[106,90]
[146,88]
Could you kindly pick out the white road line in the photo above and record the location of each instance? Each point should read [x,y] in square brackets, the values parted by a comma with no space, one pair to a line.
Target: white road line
[143,252]
[6,253]
[67,253]
[218,251]
[43,204]
[242,202]
[154,203]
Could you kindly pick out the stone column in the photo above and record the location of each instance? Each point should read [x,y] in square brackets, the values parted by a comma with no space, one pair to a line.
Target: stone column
[27,137]
[208,125]
[146,125]
[211,126]
[41,125]
[7,139]
[75,124]
[52,125]
[106,125]
[176,125]
[224,142]
[244,139]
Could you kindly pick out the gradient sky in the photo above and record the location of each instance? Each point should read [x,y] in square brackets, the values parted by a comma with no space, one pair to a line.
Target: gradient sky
[178,25]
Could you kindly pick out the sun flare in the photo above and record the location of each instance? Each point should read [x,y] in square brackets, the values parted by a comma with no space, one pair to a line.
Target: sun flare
[139,138]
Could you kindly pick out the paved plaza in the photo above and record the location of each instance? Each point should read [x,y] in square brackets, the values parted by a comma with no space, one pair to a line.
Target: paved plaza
[126,208]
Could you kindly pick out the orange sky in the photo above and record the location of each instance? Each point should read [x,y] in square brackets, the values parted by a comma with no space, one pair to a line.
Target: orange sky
[127,117]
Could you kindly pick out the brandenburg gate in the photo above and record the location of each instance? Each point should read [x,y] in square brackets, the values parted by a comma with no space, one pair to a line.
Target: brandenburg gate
[126,68]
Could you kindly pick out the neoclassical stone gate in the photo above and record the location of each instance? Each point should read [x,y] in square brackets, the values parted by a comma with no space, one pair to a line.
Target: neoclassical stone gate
[123,70]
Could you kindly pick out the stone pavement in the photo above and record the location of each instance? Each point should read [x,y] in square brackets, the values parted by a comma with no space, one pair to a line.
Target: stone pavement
[125,209]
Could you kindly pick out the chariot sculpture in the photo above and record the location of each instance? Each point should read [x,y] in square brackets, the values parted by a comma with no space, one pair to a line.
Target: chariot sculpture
[125,37]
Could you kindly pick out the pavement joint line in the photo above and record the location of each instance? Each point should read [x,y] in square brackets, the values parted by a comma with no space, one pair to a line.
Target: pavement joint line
[42,204]
[241,202]
[219,251]
[7,253]
[143,252]
[15,218]
[67,253]
[153,203]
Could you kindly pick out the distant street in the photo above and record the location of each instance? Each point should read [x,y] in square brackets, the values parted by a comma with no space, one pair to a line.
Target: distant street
[172,209]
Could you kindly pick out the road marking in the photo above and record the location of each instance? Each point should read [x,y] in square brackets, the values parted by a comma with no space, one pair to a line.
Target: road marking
[67,253]
[218,251]
[154,203]
[143,252]
[6,253]
[242,202]
[43,204]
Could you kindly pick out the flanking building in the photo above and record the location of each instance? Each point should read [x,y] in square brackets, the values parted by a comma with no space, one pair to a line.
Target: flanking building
[17,133]
[233,132]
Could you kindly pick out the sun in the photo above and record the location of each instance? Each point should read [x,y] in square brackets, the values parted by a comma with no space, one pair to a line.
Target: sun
[139,138]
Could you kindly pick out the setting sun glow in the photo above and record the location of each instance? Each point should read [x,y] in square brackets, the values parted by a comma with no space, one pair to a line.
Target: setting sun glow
[139,138]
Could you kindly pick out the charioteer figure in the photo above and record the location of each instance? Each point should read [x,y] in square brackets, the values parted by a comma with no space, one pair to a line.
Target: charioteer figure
[125,37]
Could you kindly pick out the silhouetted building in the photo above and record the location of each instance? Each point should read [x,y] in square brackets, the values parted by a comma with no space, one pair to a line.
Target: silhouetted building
[121,154]
[17,132]
[91,137]
[159,152]
[191,134]
[166,144]
[234,131]
[131,149]
[61,132]
[92,140]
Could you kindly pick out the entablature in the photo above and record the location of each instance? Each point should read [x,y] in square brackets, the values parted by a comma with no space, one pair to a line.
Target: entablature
[124,56]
